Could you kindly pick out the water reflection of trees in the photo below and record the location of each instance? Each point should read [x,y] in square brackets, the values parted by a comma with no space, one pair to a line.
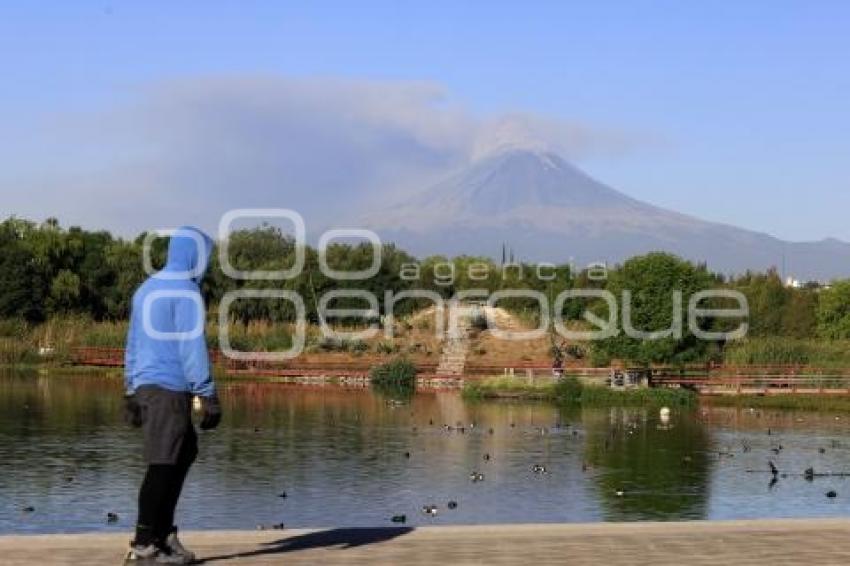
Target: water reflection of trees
[377,451]
[645,469]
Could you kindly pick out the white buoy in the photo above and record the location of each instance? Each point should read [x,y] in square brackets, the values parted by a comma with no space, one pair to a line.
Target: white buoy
[665,412]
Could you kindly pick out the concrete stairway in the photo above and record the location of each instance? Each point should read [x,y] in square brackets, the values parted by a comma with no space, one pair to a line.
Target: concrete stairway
[456,345]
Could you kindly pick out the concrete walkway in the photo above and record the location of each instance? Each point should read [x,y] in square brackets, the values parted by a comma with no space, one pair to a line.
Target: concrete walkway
[773,542]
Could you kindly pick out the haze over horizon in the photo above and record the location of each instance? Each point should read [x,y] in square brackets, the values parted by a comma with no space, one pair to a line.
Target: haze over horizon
[130,117]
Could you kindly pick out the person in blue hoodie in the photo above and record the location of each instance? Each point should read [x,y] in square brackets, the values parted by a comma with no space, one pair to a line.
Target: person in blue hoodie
[166,365]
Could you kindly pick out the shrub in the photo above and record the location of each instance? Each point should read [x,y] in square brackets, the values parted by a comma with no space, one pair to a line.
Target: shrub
[14,351]
[333,344]
[13,328]
[358,346]
[255,336]
[386,347]
[105,334]
[396,372]
[568,390]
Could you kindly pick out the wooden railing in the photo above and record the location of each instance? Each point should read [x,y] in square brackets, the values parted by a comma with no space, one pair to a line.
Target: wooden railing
[704,378]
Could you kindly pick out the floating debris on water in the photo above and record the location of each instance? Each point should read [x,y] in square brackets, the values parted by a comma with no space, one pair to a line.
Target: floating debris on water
[399,518]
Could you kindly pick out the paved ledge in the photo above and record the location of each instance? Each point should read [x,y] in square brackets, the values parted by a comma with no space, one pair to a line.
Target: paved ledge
[720,543]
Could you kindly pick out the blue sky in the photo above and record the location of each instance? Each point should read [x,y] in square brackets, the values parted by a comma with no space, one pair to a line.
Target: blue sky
[732,111]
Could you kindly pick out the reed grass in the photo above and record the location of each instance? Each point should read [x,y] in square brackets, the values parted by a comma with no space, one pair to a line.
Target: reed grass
[571,391]
[789,351]
[786,401]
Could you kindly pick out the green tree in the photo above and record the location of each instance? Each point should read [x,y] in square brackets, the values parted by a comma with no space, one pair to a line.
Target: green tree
[767,298]
[65,291]
[833,311]
[799,318]
[652,281]
[22,283]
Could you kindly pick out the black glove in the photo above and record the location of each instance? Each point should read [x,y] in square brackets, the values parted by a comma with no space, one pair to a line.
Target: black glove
[212,412]
[132,410]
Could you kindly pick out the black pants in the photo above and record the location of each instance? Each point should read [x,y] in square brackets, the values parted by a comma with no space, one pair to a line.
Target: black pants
[171,445]
[159,495]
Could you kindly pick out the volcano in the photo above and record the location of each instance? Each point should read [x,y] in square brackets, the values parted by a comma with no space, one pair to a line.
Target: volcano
[546,209]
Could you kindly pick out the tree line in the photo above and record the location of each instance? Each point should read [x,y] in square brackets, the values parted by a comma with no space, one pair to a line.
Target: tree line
[47,270]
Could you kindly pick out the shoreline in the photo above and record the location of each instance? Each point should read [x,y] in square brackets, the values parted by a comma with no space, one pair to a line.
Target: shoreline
[499,388]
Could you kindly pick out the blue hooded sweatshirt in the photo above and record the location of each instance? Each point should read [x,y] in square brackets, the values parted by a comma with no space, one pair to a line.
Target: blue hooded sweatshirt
[166,343]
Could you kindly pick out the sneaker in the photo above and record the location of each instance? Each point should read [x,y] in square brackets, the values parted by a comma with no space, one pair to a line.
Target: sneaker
[141,554]
[173,544]
[167,556]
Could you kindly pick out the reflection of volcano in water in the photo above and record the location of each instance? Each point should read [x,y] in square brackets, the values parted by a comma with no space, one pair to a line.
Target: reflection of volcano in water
[663,474]
[548,210]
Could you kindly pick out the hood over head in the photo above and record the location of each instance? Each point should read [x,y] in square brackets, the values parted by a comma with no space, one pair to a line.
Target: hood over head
[189,251]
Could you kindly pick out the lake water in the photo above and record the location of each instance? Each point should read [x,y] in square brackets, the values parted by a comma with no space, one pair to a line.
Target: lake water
[350,458]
